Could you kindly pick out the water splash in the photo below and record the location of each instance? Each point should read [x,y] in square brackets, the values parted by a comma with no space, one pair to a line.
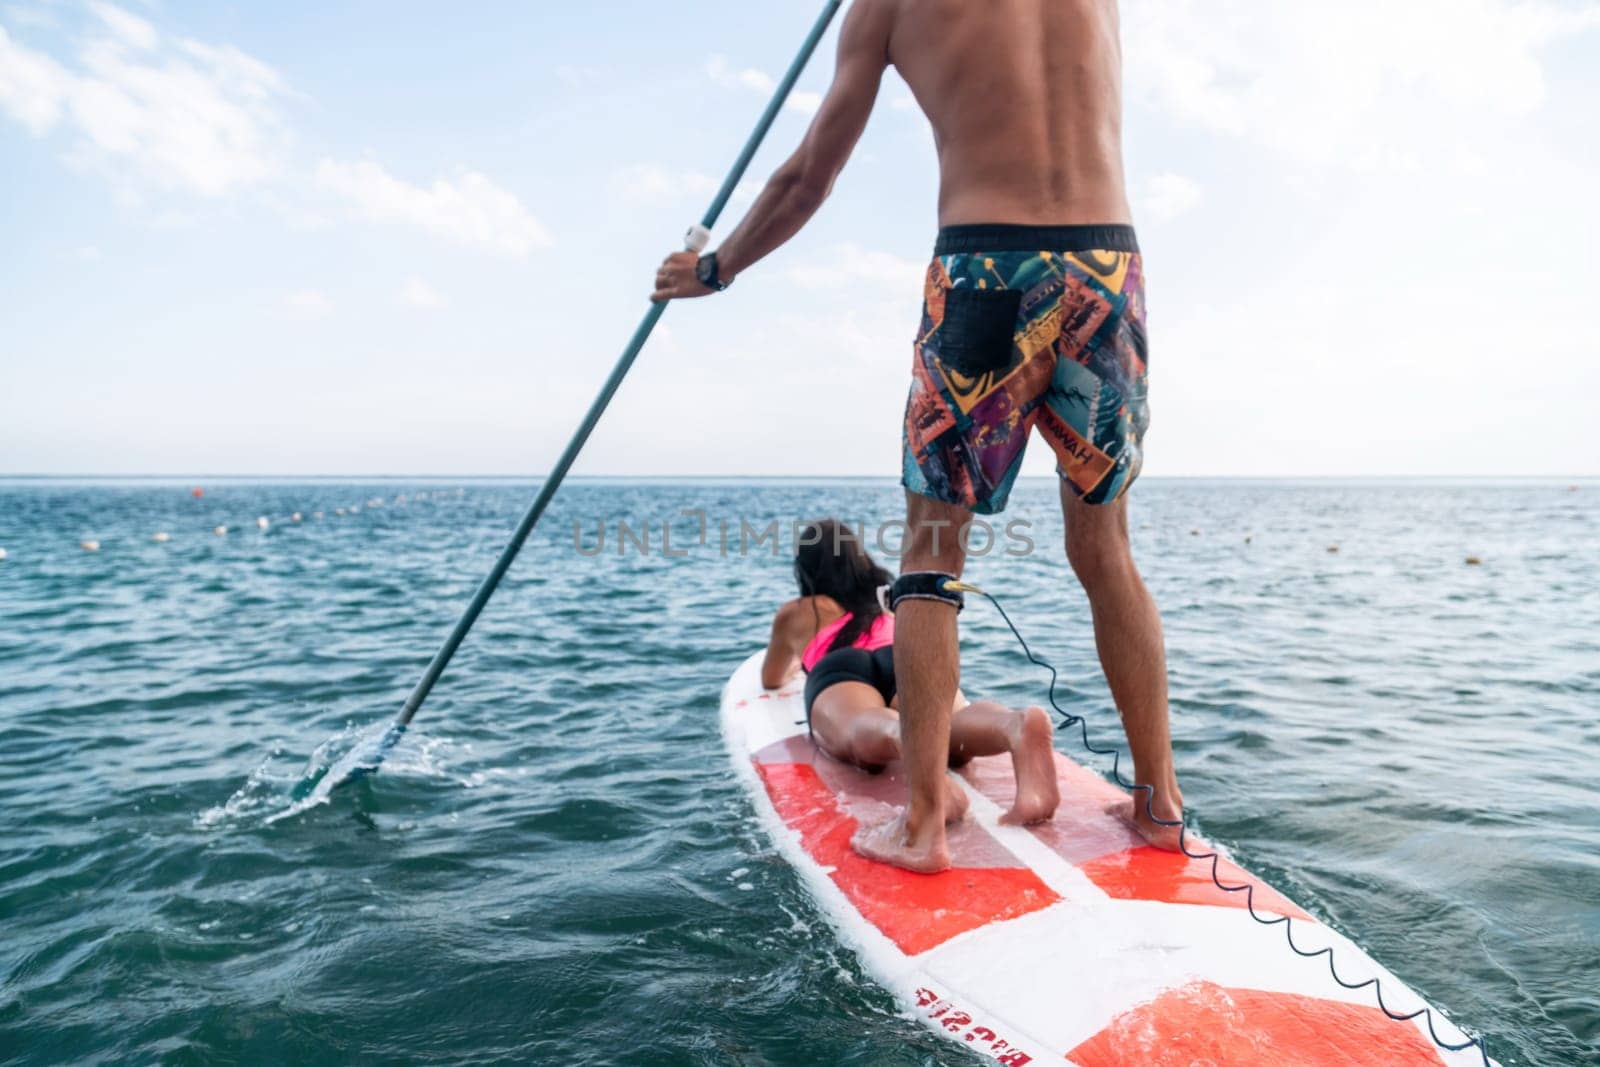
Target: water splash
[262,789]
[273,795]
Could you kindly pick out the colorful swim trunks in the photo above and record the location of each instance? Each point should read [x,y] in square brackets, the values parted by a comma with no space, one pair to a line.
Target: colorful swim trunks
[1026,326]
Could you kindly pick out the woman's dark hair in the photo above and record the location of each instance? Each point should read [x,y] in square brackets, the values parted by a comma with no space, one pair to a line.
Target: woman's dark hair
[829,561]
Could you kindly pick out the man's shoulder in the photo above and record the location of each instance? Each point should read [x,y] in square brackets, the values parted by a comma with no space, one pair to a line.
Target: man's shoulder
[873,21]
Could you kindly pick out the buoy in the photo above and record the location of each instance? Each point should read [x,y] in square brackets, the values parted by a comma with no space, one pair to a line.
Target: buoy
[2,553]
[221,531]
[262,522]
[89,546]
[295,517]
[161,537]
[1474,561]
[197,492]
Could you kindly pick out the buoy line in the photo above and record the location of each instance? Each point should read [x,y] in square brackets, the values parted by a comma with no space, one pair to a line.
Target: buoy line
[264,523]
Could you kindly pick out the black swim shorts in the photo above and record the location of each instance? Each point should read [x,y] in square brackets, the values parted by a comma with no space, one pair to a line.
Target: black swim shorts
[875,668]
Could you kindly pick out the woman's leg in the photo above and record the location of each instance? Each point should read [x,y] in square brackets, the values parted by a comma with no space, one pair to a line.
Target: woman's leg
[849,721]
[984,728]
[851,724]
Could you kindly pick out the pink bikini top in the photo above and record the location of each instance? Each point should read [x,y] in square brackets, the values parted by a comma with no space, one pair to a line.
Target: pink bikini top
[879,635]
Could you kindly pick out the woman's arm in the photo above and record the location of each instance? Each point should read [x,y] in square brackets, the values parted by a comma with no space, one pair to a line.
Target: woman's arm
[783,648]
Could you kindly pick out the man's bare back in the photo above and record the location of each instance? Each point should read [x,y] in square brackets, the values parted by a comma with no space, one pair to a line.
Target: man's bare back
[1025,101]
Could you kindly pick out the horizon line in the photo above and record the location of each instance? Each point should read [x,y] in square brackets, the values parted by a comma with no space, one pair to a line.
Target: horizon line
[529,477]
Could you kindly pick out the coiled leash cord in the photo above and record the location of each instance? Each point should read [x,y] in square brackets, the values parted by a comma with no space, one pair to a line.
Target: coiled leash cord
[1069,719]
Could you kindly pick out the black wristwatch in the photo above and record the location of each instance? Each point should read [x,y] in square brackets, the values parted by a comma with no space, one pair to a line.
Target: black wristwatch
[706,272]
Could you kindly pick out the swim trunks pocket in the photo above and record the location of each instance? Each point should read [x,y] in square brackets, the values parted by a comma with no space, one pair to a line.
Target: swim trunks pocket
[976,335]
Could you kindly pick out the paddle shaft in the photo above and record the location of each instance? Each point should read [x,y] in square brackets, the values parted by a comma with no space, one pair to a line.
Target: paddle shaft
[569,455]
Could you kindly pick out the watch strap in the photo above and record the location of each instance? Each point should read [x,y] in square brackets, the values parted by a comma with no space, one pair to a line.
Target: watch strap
[709,276]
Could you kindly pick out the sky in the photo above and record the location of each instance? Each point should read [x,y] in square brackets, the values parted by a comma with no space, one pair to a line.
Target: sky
[364,238]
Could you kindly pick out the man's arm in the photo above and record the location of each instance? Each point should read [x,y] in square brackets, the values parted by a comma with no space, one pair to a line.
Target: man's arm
[798,188]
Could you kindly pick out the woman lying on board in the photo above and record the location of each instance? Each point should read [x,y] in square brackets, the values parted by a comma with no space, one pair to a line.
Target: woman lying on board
[837,632]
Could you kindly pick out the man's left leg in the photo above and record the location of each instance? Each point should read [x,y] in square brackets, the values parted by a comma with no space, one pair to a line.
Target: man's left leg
[1127,633]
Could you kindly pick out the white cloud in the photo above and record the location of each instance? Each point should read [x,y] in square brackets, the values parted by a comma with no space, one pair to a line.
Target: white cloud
[807,103]
[652,181]
[419,294]
[1372,84]
[666,339]
[469,209]
[188,116]
[722,72]
[153,112]
[34,17]
[1166,196]
[33,87]
[308,304]
[128,28]
[851,265]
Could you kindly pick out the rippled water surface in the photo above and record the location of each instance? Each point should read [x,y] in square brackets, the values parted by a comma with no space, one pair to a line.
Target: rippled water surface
[557,864]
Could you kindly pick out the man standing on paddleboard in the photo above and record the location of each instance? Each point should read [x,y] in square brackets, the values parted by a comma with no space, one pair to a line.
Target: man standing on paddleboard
[1033,317]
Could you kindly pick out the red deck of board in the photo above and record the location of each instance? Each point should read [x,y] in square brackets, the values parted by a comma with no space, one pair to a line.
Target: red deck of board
[915,911]
[1204,1023]
[1115,858]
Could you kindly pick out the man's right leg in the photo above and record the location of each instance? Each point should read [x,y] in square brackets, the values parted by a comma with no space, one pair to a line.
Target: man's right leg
[1127,633]
[927,672]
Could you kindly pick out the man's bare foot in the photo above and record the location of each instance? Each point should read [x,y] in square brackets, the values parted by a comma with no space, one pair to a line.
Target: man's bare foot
[1033,756]
[893,843]
[1135,812]
[955,800]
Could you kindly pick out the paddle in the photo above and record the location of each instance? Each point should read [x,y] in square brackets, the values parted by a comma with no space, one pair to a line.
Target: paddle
[365,759]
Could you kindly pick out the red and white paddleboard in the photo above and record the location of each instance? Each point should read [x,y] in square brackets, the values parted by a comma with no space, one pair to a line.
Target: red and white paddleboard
[1070,942]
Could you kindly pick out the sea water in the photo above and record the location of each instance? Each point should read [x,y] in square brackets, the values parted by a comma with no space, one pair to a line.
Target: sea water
[557,865]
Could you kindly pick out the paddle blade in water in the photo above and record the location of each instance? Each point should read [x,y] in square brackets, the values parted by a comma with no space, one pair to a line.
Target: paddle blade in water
[371,746]
[361,760]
